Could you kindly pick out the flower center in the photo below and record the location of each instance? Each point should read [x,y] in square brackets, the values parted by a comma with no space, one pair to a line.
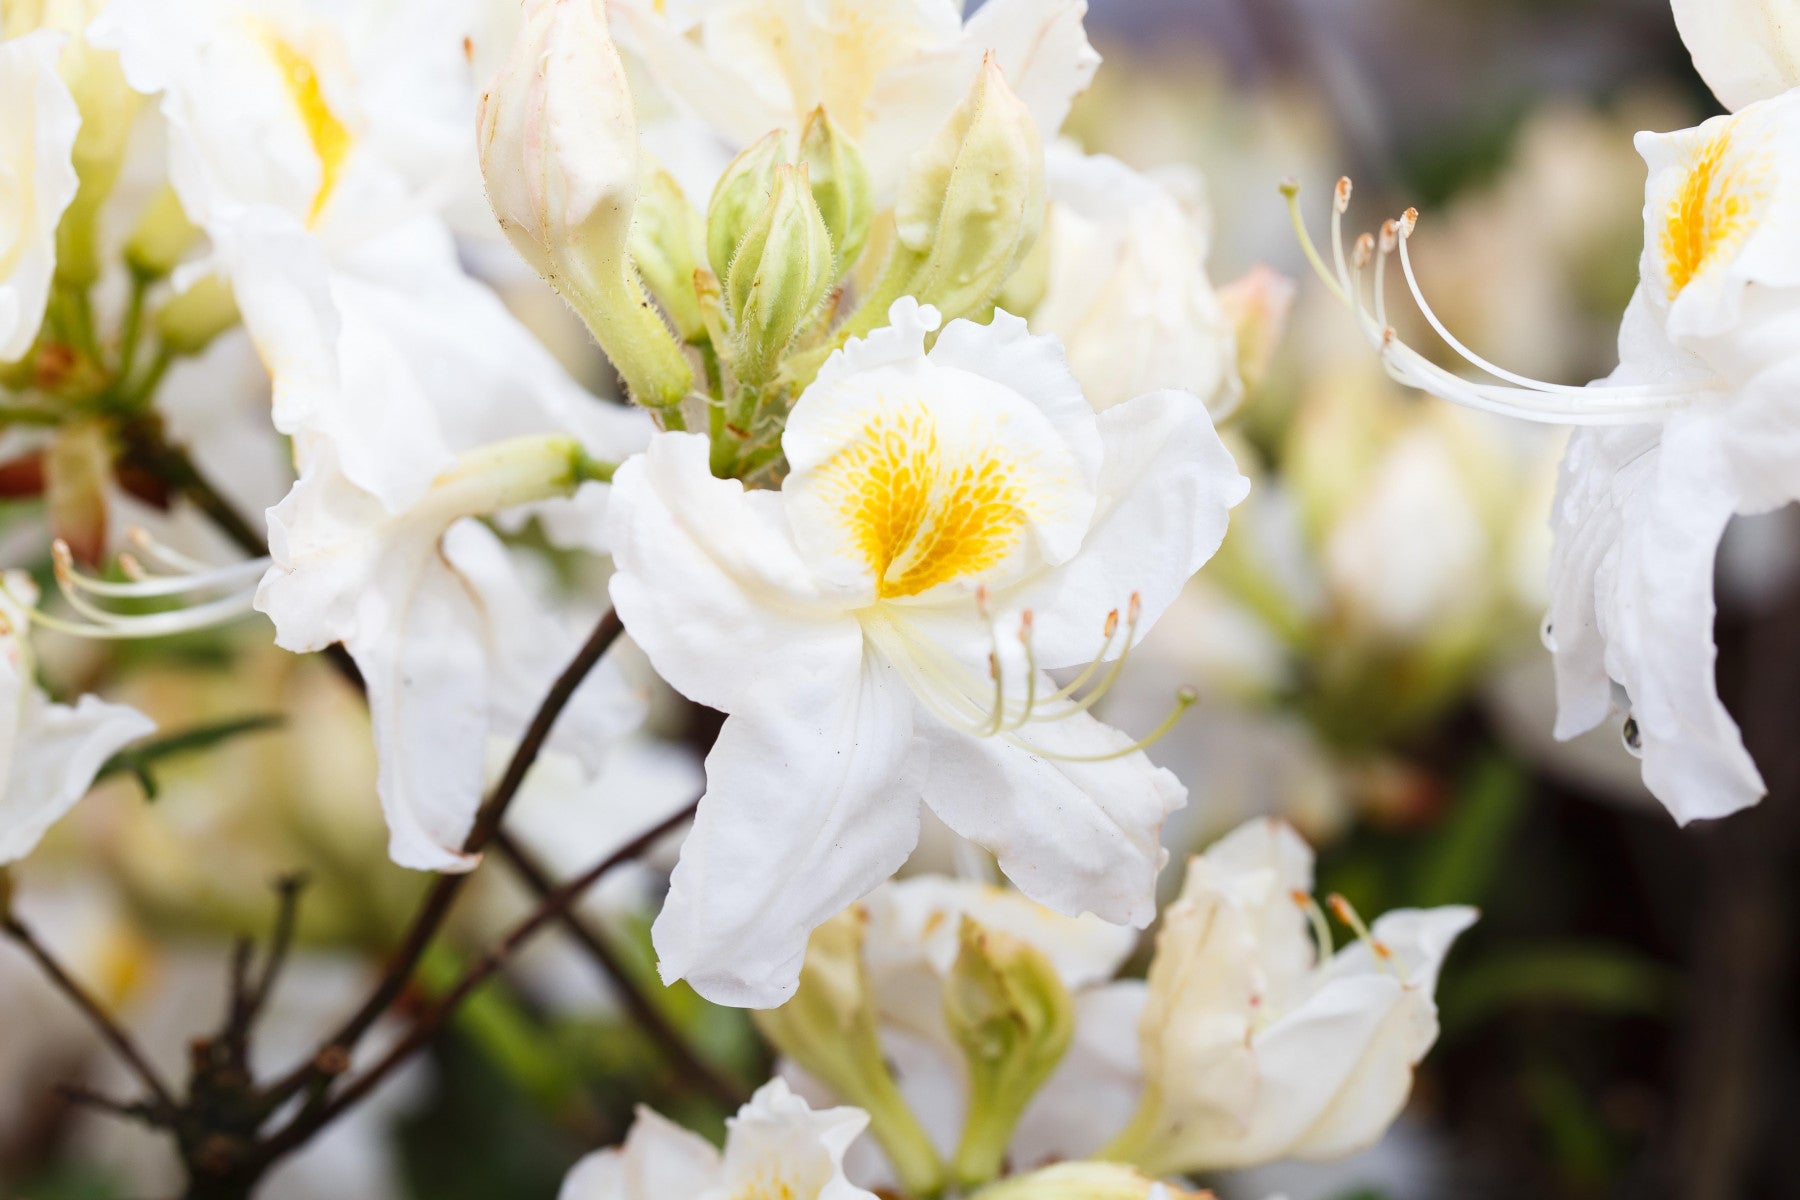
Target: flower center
[1713,210]
[329,136]
[918,517]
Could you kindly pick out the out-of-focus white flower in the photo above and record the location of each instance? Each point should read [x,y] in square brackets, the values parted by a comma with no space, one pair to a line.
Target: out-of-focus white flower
[888,72]
[49,753]
[36,163]
[1695,426]
[1254,1047]
[1746,50]
[1127,290]
[450,644]
[776,1146]
[955,524]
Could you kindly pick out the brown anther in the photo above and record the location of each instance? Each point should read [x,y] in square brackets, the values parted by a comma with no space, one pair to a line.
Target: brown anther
[469,48]
[130,567]
[1026,620]
[1381,950]
[993,666]
[1342,197]
[1365,250]
[1136,609]
[981,601]
[1341,907]
[1390,236]
[1301,898]
[62,558]
[1387,337]
[1112,623]
[1409,221]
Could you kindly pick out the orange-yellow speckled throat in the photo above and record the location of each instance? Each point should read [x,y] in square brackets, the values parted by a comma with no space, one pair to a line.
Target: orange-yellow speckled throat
[1715,208]
[329,136]
[917,517]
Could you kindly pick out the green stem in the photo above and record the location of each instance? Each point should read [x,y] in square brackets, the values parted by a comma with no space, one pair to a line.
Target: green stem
[1134,1143]
[133,329]
[636,339]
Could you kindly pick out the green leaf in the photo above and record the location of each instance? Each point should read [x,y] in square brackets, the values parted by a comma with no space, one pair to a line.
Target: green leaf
[1464,858]
[1594,977]
[137,760]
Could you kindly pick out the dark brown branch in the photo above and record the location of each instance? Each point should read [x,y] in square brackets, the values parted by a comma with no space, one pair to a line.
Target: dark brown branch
[110,1030]
[643,1010]
[335,1052]
[428,1026]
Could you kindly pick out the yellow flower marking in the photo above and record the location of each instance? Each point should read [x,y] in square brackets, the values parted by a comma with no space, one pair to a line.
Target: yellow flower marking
[775,1189]
[916,519]
[1714,209]
[329,136]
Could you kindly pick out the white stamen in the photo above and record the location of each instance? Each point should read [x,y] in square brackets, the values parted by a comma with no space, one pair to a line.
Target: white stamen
[1517,396]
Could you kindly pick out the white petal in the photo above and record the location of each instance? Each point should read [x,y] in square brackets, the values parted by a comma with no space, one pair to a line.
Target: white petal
[658,1160]
[1166,488]
[812,801]
[709,581]
[778,1144]
[1638,522]
[1044,51]
[1746,50]
[35,159]
[57,752]
[1079,837]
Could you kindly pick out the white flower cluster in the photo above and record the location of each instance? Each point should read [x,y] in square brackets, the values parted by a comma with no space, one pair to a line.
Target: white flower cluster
[1697,425]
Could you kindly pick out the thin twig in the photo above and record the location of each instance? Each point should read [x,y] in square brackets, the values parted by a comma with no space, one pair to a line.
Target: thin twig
[428,1026]
[129,1110]
[109,1029]
[287,919]
[651,1019]
[334,1053]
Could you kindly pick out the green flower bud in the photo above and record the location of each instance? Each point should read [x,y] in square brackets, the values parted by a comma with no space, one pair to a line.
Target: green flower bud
[667,239]
[1009,1011]
[840,185]
[972,203]
[829,1029]
[1084,1181]
[190,321]
[779,277]
[740,197]
[162,237]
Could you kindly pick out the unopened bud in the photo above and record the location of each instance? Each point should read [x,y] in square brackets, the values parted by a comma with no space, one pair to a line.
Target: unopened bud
[162,236]
[559,154]
[779,277]
[829,1030]
[108,106]
[1258,305]
[840,185]
[972,203]
[1009,1011]
[740,197]
[190,321]
[668,238]
[1087,1181]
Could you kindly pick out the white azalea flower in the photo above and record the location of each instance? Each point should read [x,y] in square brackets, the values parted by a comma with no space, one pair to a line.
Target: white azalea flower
[1127,290]
[49,753]
[310,144]
[36,164]
[954,525]
[776,1146]
[1746,50]
[889,72]
[1254,1047]
[1696,425]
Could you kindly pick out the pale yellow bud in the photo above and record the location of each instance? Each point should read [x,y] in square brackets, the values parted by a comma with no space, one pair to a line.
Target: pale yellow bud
[972,203]
[559,154]
[189,322]
[1086,1181]
[1258,305]
[162,236]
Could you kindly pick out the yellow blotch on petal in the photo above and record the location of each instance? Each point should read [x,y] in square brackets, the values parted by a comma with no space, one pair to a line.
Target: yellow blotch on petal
[917,518]
[1715,208]
[330,137]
